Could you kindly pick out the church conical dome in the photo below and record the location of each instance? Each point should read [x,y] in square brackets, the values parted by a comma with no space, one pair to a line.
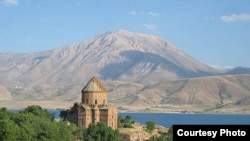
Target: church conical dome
[94,85]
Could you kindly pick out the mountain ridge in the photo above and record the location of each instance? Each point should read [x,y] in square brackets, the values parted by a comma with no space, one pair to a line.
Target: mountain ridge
[133,55]
[140,70]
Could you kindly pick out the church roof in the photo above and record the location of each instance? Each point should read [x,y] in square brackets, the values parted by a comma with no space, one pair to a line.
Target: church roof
[94,85]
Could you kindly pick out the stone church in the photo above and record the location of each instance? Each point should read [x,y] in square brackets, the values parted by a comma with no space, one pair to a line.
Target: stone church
[94,106]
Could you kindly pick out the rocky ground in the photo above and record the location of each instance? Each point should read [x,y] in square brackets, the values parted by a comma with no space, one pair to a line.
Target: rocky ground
[139,133]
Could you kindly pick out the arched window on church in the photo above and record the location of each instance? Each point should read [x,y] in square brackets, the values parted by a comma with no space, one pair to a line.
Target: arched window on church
[95,101]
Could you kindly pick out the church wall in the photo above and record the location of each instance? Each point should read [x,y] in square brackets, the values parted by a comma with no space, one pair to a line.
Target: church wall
[112,117]
[88,118]
[95,115]
[100,98]
[80,116]
[104,116]
[92,98]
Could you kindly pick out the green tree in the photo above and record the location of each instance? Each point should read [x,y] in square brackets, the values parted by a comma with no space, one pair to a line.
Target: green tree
[66,114]
[8,130]
[35,124]
[100,132]
[38,111]
[170,134]
[4,113]
[126,122]
[65,132]
[78,132]
[128,118]
[150,126]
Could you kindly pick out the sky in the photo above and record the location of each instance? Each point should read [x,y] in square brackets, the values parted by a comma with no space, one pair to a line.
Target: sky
[215,32]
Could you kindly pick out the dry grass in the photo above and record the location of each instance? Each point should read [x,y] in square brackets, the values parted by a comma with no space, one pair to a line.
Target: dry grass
[136,128]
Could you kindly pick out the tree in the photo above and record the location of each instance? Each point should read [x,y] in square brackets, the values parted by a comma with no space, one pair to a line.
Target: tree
[4,113]
[34,123]
[8,130]
[128,118]
[100,132]
[66,114]
[150,125]
[127,122]
[78,132]
[170,134]
[65,132]
[38,111]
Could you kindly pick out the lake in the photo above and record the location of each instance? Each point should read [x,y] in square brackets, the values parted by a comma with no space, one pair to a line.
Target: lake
[168,119]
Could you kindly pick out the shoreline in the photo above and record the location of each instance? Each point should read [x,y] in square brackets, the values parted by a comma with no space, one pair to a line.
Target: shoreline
[151,112]
[170,109]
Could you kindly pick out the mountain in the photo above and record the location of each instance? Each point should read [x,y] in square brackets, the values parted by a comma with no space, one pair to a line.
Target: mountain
[140,71]
[237,70]
[226,93]
[120,55]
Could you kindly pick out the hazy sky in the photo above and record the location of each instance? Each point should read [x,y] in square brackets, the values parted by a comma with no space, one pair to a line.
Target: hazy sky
[215,32]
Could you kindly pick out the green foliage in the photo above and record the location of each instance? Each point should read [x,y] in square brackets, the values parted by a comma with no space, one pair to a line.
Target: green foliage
[65,114]
[170,134]
[33,124]
[126,122]
[163,137]
[8,130]
[36,124]
[100,132]
[37,111]
[78,132]
[150,126]
[4,113]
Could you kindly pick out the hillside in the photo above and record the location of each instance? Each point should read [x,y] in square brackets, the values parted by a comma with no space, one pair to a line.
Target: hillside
[142,73]
[193,95]
[121,55]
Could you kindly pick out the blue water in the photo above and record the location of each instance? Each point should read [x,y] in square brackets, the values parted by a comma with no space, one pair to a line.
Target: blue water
[168,119]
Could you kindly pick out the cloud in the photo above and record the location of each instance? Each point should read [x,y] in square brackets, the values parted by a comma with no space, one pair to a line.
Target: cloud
[132,13]
[154,14]
[10,2]
[150,26]
[235,18]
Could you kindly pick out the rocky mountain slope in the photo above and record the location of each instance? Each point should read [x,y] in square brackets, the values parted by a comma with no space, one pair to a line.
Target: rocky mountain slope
[121,55]
[237,70]
[139,70]
[191,94]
